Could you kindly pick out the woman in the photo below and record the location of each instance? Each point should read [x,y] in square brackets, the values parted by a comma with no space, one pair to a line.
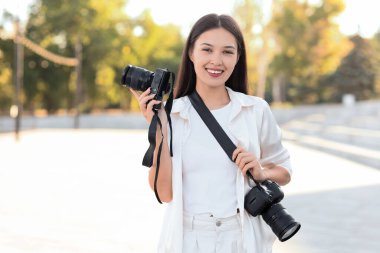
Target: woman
[204,188]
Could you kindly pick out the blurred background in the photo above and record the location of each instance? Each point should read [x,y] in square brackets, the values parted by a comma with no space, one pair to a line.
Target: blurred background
[72,53]
[71,137]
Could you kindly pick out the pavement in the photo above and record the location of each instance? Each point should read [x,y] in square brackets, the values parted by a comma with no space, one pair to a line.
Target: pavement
[85,191]
[351,132]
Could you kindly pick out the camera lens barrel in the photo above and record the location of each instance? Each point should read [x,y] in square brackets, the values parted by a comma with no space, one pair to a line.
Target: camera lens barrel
[137,78]
[280,221]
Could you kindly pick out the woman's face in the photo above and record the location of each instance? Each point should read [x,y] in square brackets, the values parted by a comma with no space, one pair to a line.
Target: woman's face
[214,56]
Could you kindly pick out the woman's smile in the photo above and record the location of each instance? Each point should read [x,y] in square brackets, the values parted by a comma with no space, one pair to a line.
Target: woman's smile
[214,72]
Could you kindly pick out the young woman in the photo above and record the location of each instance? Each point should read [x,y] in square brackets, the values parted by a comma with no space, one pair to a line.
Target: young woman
[204,189]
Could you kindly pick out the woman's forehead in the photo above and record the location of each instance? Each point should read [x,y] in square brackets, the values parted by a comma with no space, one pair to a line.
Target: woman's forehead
[217,37]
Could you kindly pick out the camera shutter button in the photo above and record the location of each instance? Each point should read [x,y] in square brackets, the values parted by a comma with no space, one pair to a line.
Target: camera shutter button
[218,223]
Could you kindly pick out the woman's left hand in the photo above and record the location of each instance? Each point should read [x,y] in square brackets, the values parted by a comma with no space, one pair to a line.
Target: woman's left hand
[247,161]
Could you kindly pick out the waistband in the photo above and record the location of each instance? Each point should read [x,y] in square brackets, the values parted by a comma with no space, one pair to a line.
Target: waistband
[207,222]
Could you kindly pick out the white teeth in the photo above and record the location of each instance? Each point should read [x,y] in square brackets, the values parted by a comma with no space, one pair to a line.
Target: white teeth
[214,71]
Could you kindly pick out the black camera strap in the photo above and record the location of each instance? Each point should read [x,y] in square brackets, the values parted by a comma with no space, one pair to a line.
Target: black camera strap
[218,132]
[148,157]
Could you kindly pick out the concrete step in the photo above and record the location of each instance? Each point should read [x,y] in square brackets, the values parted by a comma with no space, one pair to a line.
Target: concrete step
[361,155]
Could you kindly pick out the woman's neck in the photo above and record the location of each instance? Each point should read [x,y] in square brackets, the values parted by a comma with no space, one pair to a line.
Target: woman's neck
[214,98]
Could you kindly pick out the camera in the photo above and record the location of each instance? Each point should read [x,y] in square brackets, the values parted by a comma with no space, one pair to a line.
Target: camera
[264,199]
[141,79]
[160,82]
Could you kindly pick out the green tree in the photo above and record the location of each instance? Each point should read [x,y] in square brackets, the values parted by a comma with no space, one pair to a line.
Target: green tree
[246,13]
[257,34]
[58,26]
[309,47]
[6,87]
[356,73]
[6,58]
[376,48]
[110,40]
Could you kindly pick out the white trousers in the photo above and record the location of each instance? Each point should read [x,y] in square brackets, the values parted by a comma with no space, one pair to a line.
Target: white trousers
[206,234]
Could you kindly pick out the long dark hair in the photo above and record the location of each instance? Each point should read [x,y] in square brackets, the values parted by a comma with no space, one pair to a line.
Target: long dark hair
[186,76]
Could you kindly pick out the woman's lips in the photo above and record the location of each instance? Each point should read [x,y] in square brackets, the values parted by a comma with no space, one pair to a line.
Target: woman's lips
[214,72]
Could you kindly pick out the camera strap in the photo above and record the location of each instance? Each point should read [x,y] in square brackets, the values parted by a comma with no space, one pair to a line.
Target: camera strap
[148,157]
[215,128]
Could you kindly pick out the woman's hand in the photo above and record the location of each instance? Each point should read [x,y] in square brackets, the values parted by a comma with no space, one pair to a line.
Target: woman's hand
[147,107]
[247,161]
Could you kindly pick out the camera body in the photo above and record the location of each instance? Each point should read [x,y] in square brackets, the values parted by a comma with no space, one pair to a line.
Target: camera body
[262,196]
[141,79]
[264,199]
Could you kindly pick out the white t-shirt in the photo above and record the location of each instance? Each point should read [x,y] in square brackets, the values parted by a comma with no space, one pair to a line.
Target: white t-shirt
[209,176]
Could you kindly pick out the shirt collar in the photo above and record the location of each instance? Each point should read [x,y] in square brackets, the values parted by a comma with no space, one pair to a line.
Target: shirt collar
[182,105]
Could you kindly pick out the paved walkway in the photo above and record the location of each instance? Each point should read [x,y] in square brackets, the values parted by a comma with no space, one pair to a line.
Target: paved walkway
[85,191]
[351,132]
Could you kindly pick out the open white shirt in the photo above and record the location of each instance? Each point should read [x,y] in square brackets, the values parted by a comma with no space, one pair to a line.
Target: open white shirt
[253,125]
[209,176]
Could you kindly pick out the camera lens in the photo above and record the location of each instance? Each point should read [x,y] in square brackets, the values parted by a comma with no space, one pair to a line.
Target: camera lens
[137,78]
[280,221]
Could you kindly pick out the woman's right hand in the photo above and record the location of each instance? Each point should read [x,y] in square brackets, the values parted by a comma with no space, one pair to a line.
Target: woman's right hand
[145,106]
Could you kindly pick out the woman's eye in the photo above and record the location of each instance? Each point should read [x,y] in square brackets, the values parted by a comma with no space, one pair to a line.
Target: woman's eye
[228,52]
[206,49]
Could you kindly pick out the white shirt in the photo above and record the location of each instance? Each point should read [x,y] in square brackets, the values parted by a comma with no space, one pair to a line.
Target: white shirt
[209,176]
[253,125]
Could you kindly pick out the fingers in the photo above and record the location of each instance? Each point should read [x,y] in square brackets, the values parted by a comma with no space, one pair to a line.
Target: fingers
[139,95]
[146,103]
[145,99]
[240,156]
[248,166]
[246,161]
[145,93]
[149,106]
[236,152]
[243,158]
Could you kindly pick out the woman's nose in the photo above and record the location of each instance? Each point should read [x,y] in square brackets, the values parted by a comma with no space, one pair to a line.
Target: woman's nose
[216,60]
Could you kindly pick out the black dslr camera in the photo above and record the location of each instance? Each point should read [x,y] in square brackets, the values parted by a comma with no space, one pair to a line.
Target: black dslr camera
[161,82]
[141,79]
[264,199]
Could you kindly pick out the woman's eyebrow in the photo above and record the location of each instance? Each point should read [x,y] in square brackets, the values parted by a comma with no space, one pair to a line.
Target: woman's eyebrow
[208,44]
[230,47]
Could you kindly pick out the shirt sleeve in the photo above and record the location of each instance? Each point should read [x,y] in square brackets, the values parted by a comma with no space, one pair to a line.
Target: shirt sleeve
[272,150]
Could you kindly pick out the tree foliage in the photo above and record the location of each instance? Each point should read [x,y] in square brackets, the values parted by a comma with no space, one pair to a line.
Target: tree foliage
[309,46]
[356,73]
[109,41]
[247,13]
[6,89]
[376,57]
